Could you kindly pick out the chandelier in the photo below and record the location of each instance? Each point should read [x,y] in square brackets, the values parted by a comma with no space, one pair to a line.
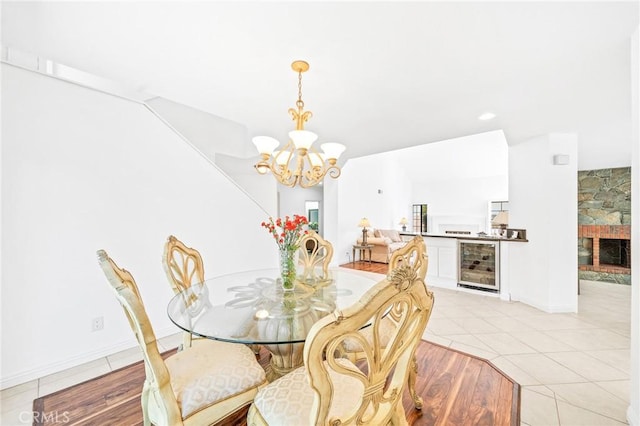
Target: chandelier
[298,162]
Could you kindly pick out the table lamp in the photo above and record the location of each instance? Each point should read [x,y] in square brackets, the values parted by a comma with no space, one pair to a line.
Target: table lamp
[404,222]
[364,223]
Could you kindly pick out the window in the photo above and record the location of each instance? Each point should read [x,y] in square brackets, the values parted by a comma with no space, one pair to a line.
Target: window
[419,219]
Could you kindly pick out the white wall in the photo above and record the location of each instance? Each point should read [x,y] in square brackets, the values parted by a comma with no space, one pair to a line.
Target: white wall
[82,171]
[259,187]
[633,413]
[543,200]
[212,135]
[464,201]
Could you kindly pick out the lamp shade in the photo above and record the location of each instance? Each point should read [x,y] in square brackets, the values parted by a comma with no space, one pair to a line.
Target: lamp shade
[302,138]
[281,157]
[502,218]
[404,221]
[265,144]
[332,149]
[364,223]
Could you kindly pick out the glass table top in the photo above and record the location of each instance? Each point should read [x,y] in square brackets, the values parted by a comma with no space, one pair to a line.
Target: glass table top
[251,307]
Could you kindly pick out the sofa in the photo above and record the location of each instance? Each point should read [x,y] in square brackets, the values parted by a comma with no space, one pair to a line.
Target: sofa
[384,242]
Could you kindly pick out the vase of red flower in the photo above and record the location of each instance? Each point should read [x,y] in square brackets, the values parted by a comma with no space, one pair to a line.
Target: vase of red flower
[287,232]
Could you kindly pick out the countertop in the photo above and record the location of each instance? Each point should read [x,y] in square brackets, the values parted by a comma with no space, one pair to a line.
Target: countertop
[471,236]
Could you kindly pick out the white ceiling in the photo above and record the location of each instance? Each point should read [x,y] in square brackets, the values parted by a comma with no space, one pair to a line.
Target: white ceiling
[383,75]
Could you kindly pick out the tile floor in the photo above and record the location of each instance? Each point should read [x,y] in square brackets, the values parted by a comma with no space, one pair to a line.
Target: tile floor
[573,368]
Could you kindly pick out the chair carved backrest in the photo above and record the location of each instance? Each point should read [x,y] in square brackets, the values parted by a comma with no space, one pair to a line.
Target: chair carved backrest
[157,379]
[182,264]
[315,254]
[414,253]
[383,369]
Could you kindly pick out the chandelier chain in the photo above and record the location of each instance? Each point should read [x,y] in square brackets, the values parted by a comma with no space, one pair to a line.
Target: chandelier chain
[300,103]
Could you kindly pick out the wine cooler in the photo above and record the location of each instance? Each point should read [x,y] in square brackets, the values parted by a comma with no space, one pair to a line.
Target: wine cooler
[479,265]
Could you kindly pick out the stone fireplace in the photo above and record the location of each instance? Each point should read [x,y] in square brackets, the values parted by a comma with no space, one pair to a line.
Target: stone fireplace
[604,225]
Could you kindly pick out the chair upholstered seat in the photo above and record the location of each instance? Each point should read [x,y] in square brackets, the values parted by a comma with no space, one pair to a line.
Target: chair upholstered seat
[288,400]
[210,372]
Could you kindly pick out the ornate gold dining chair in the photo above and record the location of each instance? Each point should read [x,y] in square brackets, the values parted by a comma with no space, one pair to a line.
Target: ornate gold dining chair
[315,254]
[183,266]
[412,255]
[330,389]
[200,385]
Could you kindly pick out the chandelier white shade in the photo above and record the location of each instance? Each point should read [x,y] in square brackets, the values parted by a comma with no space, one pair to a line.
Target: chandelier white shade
[297,162]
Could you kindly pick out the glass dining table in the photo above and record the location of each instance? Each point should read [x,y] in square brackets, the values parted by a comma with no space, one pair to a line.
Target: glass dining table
[252,308]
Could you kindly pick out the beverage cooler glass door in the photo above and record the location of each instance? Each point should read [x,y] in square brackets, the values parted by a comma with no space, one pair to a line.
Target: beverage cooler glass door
[479,265]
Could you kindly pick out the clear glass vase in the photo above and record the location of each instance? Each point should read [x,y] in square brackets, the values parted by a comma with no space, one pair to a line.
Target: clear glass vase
[288,267]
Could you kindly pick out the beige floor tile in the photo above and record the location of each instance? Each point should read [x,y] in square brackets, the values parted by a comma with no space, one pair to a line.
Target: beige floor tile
[570,415]
[73,376]
[619,358]
[476,325]
[31,386]
[17,403]
[458,312]
[504,344]
[444,326]
[542,342]
[619,388]
[514,372]
[544,369]
[593,398]
[469,340]
[591,340]
[508,324]
[517,309]
[587,366]
[18,416]
[124,358]
[546,321]
[436,339]
[542,390]
[538,410]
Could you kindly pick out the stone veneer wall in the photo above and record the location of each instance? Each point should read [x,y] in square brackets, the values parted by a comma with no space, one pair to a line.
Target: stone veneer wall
[604,198]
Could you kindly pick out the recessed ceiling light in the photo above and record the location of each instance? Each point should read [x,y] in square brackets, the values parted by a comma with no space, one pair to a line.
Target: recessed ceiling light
[486,116]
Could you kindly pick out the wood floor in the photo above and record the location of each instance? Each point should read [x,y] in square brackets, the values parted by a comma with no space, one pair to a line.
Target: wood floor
[380,268]
[457,389]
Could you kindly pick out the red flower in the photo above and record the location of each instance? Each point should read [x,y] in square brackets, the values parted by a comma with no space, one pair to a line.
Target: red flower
[286,231]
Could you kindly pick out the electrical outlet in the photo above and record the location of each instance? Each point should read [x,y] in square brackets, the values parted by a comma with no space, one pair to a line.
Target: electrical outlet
[97,324]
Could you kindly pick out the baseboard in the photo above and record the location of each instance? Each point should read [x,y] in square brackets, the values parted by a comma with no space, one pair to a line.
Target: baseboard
[633,417]
[45,370]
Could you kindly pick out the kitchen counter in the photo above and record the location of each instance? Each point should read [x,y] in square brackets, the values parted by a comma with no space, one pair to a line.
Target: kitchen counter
[457,261]
[472,236]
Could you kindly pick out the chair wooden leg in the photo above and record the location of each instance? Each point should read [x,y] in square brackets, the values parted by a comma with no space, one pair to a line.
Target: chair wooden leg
[413,374]
[145,405]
